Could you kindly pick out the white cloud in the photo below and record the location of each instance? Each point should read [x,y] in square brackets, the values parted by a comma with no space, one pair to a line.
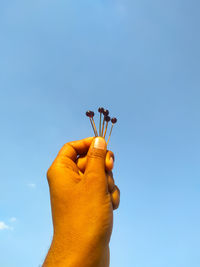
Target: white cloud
[4,226]
[32,185]
[13,219]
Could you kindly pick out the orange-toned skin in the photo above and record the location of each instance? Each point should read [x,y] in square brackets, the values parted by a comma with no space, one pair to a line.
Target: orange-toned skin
[83,196]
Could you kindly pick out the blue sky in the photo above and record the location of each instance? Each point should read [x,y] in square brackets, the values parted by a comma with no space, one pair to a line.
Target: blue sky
[139,59]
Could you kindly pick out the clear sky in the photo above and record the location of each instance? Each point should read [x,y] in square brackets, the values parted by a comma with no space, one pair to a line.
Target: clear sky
[141,60]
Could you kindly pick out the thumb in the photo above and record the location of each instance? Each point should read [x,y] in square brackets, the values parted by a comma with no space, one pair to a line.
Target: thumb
[95,167]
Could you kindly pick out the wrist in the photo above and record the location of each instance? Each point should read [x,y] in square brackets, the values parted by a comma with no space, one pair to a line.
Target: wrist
[70,254]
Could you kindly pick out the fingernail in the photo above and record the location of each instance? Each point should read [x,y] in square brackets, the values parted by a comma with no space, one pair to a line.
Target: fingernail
[100,143]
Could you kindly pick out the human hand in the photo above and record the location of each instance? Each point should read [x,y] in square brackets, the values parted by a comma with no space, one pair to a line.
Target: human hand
[83,195]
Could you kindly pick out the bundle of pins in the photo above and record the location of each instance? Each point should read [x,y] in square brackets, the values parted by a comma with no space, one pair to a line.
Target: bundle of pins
[103,113]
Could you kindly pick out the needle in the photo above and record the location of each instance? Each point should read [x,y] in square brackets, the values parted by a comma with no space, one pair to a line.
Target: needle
[113,120]
[90,114]
[105,113]
[100,111]
[107,119]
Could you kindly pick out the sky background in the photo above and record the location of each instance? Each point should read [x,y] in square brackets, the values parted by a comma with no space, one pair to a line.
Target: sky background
[141,60]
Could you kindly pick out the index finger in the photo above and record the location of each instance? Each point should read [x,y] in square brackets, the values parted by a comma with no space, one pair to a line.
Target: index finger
[72,149]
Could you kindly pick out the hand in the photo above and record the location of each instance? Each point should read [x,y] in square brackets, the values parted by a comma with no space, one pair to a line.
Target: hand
[83,196]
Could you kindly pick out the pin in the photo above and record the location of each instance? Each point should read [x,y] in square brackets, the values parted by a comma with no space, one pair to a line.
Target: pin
[107,119]
[100,111]
[105,113]
[113,120]
[90,114]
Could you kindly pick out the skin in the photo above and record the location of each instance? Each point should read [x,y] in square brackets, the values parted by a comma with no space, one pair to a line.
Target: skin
[83,196]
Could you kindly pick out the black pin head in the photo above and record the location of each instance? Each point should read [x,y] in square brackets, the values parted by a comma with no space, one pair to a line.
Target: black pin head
[101,110]
[89,114]
[113,120]
[107,118]
[105,112]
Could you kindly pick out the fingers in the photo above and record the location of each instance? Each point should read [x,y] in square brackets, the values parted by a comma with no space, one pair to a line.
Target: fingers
[95,173]
[109,162]
[115,197]
[94,165]
[111,182]
[72,149]
[113,190]
[81,163]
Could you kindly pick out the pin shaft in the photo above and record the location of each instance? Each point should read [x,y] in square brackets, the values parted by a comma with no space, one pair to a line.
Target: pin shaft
[110,134]
[100,125]
[96,133]
[105,129]
[93,127]
[103,126]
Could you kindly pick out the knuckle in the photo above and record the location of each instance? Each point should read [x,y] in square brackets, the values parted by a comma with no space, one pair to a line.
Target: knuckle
[48,174]
[96,153]
[63,148]
[66,145]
